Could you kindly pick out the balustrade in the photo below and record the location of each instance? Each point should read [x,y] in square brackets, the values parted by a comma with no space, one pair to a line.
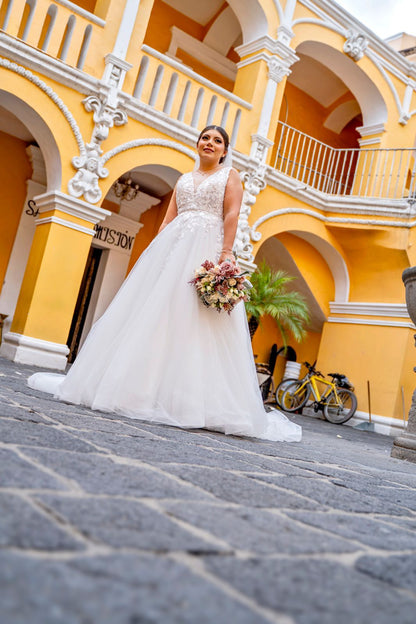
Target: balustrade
[363,172]
[176,90]
[60,28]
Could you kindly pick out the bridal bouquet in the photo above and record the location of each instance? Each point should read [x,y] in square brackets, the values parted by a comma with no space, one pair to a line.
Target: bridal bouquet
[221,286]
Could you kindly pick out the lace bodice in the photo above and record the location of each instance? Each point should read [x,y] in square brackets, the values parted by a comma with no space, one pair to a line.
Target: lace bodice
[207,196]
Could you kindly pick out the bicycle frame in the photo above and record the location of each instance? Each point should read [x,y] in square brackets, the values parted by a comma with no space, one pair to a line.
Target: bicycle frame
[319,397]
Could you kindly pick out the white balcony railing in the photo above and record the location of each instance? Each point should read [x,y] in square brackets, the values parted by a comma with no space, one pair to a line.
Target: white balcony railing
[365,172]
[58,27]
[171,87]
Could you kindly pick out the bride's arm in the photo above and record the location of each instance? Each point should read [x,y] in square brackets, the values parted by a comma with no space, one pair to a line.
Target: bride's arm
[232,204]
[171,212]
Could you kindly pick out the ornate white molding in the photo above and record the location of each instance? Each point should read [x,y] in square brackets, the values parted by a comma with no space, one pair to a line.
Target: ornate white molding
[56,200]
[278,70]
[395,310]
[258,45]
[254,182]
[89,164]
[27,75]
[48,66]
[142,142]
[355,45]
[115,71]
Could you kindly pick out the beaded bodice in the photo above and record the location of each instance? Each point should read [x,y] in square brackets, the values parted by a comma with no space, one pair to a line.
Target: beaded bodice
[203,196]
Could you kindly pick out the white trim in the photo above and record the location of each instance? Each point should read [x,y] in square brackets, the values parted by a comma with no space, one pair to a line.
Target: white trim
[262,43]
[79,11]
[365,142]
[328,8]
[371,129]
[398,310]
[380,323]
[347,204]
[48,66]
[142,142]
[28,350]
[56,200]
[202,53]
[316,215]
[25,73]
[382,424]
[127,24]
[197,77]
[261,56]
[69,224]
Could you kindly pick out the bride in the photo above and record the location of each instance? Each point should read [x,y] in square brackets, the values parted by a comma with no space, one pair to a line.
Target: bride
[157,353]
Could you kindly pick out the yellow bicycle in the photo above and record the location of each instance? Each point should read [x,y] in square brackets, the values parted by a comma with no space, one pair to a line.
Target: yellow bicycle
[337,402]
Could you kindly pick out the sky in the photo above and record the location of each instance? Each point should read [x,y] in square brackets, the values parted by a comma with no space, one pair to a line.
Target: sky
[384,17]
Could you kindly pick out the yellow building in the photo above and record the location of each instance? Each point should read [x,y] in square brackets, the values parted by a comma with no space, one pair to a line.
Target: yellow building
[100,106]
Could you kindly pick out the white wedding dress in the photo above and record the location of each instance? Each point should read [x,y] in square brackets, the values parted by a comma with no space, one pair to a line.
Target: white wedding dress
[158,354]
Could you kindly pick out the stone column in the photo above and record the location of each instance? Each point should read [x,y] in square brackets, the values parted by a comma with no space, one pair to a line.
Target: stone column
[404,446]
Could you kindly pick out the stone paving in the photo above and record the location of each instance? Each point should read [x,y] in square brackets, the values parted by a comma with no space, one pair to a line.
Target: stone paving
[107,520]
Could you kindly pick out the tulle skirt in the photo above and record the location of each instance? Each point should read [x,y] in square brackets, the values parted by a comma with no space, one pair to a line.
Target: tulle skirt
[158,354]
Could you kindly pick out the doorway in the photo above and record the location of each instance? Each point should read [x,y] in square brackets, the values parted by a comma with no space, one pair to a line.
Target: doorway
[84,297]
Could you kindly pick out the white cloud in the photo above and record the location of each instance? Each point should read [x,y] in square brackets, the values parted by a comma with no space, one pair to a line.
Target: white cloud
[384,17]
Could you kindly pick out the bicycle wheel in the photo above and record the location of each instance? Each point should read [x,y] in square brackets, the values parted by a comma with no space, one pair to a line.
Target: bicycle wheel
[338,412]
[295,396]
[280,390]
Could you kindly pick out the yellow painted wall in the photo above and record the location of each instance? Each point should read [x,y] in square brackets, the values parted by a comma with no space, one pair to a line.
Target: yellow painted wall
[88,5]
[313,268]
[302,112]
[375,268]
[367,352]
[15,169]
[158,36]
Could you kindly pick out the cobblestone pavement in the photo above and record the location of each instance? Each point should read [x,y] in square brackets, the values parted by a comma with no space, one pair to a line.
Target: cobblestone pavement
[107,520]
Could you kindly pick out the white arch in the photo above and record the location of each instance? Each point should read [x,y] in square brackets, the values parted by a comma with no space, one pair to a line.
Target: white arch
[252,18]
[223,32]
[41,133]
[341,115]
[332,257]
[370,99]
[334,260]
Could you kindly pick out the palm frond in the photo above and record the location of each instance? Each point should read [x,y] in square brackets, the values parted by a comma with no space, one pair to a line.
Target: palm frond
[269,295]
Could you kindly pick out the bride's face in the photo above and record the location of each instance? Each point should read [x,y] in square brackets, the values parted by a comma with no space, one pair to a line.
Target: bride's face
[211,147]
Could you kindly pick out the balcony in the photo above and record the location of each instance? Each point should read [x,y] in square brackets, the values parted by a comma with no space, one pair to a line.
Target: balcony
[60,28]
[357,172]
[172,88]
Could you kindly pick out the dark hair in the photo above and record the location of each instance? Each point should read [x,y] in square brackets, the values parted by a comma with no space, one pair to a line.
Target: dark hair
[224,135]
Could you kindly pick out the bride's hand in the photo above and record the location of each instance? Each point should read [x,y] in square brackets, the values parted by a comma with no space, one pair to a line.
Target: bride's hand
[227,256]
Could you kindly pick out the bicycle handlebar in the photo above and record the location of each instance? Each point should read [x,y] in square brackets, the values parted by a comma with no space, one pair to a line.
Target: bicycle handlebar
[311,368]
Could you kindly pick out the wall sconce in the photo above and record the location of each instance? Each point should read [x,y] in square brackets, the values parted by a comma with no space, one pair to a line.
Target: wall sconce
[125,189]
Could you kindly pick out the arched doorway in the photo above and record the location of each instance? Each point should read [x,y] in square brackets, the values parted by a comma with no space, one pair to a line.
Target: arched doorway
[119,240]
[30,164]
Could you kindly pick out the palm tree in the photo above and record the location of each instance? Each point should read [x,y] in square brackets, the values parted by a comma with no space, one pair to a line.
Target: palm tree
[269,295]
